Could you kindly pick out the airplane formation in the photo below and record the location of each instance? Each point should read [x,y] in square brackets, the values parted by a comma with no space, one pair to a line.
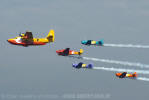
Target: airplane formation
[26,39]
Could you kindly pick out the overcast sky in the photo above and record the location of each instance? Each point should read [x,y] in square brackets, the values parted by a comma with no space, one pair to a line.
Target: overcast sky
[38,70]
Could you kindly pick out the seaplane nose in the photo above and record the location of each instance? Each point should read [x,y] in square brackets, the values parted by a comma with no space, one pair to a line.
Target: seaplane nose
[10,41]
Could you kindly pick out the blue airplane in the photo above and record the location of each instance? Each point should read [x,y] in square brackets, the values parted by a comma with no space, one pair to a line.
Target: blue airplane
[82,65]
[92,42]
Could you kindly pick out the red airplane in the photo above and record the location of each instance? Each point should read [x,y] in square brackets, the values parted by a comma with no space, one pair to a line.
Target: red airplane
[125,75]
[67,52]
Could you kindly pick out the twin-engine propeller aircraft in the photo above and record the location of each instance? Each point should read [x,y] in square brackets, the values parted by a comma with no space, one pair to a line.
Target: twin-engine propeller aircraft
[92,42]
[67,52]
[82,65]
[125,75]
[27,39]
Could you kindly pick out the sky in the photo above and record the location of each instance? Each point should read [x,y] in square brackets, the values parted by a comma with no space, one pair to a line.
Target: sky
[37,72]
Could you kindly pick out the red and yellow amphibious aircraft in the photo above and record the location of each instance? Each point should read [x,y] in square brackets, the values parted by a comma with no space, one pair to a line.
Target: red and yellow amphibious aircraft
[125,75]
[27,39]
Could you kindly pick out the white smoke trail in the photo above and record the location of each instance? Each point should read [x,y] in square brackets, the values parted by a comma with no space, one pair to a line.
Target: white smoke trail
[127,46]
[143,78]
[126,70]
[118,62]
[122,70]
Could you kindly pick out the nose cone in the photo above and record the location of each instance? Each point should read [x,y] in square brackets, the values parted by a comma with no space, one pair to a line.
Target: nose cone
[73,65]
[57,51]
[118,74]
[83,42]
[11,41]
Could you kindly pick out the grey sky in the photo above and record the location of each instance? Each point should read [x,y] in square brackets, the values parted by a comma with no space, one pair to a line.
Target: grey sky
[38,70]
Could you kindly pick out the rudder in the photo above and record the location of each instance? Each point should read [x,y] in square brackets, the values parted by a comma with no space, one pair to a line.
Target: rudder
[135,74]
[100,42]
[51,36]
[81,51]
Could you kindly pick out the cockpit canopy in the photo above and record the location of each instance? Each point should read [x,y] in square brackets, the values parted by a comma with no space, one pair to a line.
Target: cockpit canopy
[27,34]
